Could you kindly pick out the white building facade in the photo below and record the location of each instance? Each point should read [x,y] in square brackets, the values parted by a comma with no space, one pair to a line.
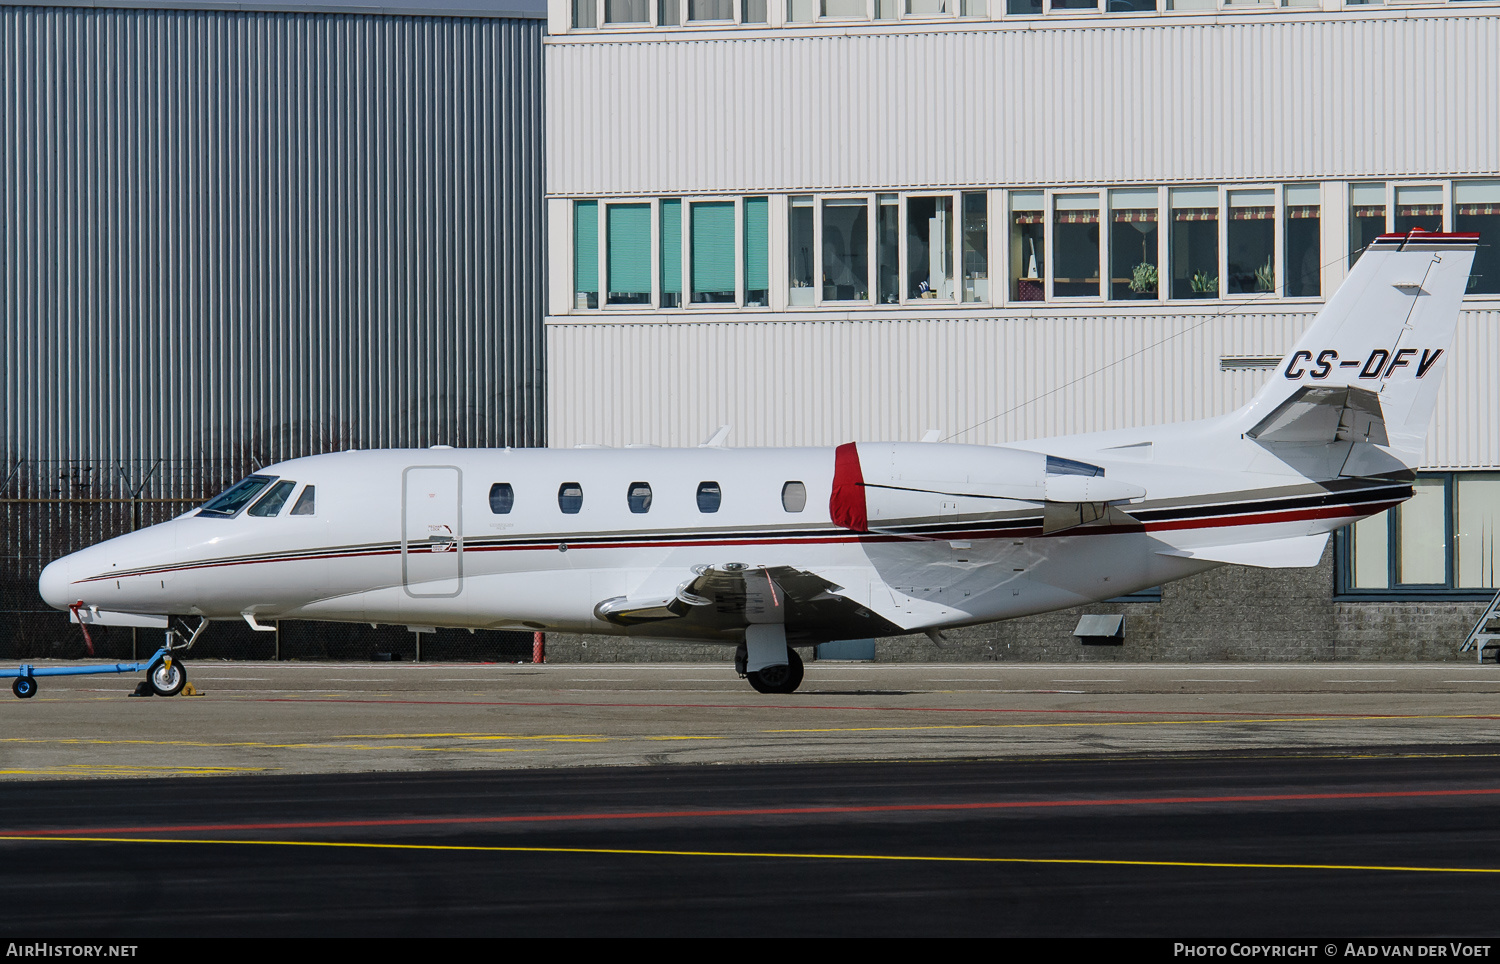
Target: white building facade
[820,221]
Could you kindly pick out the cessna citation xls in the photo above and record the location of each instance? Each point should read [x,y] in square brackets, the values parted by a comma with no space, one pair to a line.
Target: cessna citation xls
[769,549]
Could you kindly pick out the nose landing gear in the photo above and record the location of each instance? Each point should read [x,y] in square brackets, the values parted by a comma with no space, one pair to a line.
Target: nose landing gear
[167,676]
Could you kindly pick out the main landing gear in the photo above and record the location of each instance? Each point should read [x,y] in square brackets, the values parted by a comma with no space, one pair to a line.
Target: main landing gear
[781,678]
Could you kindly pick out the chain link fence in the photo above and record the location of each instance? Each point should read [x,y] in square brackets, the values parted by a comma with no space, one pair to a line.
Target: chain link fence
[49,509]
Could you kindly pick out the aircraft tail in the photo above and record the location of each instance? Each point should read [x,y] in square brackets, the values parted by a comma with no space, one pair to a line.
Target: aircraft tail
[1370,366]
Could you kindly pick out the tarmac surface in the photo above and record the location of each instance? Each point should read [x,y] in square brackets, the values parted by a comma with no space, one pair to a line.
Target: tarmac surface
[1321,801]
[346,718]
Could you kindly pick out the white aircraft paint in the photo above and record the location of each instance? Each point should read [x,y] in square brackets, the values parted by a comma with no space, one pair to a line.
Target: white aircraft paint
[806,545]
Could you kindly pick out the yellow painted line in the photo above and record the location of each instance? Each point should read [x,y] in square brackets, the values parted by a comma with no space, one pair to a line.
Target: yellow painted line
[770,855]
[1107,723]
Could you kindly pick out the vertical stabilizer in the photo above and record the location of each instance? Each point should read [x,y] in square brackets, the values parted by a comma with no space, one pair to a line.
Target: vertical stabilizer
[1381,342]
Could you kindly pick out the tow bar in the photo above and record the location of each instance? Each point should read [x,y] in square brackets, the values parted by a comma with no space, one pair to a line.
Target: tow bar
[165,674]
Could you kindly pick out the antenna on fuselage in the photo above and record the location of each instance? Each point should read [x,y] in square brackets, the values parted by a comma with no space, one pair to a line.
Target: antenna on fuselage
[716,440]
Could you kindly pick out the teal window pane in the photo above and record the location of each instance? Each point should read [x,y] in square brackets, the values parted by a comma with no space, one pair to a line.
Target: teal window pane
[586,252]
[628,250]
[671,253]
[712,238]
[757,246]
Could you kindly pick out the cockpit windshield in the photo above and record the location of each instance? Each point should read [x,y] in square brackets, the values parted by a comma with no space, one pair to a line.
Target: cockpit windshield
[229,503]
[272,501]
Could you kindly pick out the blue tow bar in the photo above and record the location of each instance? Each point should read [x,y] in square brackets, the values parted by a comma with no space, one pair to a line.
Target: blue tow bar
[167,674]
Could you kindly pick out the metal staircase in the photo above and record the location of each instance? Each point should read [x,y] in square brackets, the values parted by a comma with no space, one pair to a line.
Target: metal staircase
[1483,636]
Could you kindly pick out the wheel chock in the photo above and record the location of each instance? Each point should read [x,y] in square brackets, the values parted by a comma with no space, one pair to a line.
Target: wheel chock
[143,688]
[188,689]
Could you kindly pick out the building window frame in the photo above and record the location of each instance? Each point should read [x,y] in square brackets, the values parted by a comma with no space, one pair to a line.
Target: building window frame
[785,223]
[1394,591]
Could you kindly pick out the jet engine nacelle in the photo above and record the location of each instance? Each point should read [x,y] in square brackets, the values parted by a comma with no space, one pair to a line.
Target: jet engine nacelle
[884,483]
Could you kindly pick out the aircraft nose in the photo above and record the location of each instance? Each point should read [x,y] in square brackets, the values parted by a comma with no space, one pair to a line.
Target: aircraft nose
[56,583]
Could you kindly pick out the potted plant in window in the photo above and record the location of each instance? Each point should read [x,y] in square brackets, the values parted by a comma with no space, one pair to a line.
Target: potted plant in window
[1143,279]
[1265,277]
[1204,283]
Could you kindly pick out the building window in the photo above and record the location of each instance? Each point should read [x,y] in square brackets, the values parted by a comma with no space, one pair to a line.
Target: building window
[1028,246]
[627,11]
[1251,242]
[1419,206]
[710,10]
[1075,245]
[628,254]
[888,249]
[1366,216]
[1195,242]
[846,249]
[585,254]
[1445,540]
[1303,244]
[757,252]
[585,14]
[1133,244]
[929,248]
[1476,207]
[671,253]
[711,243]
[976,248]
[801,252]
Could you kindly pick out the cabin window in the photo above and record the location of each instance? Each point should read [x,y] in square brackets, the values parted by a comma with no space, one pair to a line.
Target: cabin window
[502,498]
[638,497]
[228,504]
[794,497]
[709,496]
[271,503]
[570,497]
[306,502]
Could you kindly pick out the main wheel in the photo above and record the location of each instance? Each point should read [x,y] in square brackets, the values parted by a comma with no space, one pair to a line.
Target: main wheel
[779,679]
[167,680]
[24,687]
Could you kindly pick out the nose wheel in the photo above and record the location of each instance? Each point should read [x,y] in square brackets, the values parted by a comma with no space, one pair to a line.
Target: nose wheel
[167,676]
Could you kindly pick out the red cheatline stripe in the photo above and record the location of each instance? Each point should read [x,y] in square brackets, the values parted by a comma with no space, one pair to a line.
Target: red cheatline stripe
[1266,518]
[764,812]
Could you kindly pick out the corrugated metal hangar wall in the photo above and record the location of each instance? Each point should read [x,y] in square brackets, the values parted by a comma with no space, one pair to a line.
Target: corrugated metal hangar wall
[229,238]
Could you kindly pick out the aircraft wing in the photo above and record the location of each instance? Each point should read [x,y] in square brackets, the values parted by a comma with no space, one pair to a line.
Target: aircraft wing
[719,602]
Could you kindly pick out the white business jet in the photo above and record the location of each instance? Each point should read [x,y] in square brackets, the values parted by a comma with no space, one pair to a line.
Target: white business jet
[770,549]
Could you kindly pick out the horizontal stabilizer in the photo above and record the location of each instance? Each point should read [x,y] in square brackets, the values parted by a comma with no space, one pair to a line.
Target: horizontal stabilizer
[1301,552]
[1325,414]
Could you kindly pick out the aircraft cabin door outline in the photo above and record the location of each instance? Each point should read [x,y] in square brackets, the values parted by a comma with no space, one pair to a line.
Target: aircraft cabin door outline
[432,545]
